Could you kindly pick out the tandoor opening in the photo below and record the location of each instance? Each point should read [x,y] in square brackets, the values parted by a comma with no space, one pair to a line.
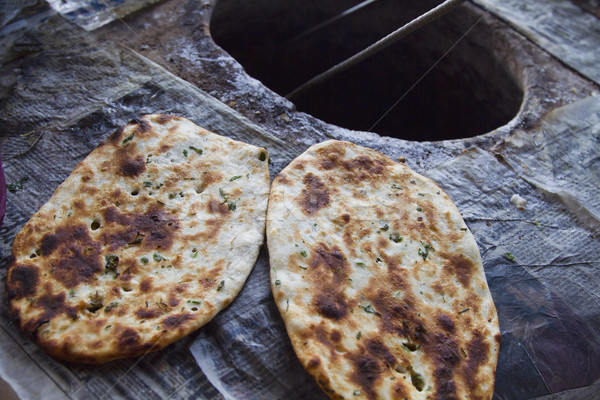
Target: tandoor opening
[285,43]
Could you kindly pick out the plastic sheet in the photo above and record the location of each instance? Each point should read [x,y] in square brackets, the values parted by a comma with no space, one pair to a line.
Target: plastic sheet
[561,27]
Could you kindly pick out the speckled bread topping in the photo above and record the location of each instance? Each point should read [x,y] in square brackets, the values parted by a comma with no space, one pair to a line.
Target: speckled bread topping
[378,280]
[150,236]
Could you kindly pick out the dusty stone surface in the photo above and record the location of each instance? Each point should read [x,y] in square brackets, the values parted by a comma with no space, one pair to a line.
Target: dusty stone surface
[182,43]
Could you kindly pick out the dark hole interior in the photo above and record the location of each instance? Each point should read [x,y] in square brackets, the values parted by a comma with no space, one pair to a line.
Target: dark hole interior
[469,92]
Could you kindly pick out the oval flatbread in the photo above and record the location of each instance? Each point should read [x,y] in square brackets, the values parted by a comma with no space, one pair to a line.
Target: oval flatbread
[148,239]
[378,280]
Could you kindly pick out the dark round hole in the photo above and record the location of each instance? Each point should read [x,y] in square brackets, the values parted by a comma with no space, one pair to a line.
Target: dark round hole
[135,192]
[95,225]
[468,93]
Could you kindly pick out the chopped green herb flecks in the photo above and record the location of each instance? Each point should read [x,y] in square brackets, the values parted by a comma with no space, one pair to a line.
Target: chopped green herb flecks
[360,264]
[18,185]
[194,254]
[197,302]
[277,282]
[111,264]
[235,178]
[95,302]
[147,184]
[358,335]
[421,194]
[303,253]
[72,292]
[419,208]
[185,152]
[385,227]
[220,285]
[394,186]
[107,327]
[162,306]
[128,139]
[111,306]
[424,252]
[369,309]
[262,156]
[144,260]
[137,240]
[465,310]
[303,267]
[197,150]
[148,158]
[231,205]
[394,237]
[509,256]
[417,381]
[464,229]
[408,346]
[158,257]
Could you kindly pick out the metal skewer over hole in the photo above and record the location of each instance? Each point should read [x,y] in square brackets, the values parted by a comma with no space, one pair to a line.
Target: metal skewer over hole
[393,37]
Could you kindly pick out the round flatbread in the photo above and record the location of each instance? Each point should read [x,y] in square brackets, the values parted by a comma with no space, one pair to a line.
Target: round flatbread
[148,239]
[378,280]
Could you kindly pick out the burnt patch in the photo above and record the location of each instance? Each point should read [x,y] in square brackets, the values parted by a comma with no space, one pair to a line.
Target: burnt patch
[313,363]
[366,167]
[282,179]
[176,321]
[299,164]
[141,125]
[380,351]
[329,264]
[478,350]
[150,230]
[51,305]
[215,206]
[444,353]
[445,322]
[314,196]
[128,339]
[115,137]
[459,266]
[209,178]
[132,167]
[78,259]
[331,156]
[146,285]
[329,273]
[22,281]
[336,335]
[331,305]
[144,313]
[164,118]
[367,370]
[398,316]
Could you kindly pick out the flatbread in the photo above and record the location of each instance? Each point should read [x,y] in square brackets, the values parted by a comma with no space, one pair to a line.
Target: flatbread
[378,280]
[150,236]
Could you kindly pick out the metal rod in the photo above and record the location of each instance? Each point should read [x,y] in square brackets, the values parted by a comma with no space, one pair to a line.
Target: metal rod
[331,20]
[398,34]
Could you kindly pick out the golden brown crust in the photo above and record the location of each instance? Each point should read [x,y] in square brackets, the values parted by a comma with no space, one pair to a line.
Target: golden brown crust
[151,235]
[378,280]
